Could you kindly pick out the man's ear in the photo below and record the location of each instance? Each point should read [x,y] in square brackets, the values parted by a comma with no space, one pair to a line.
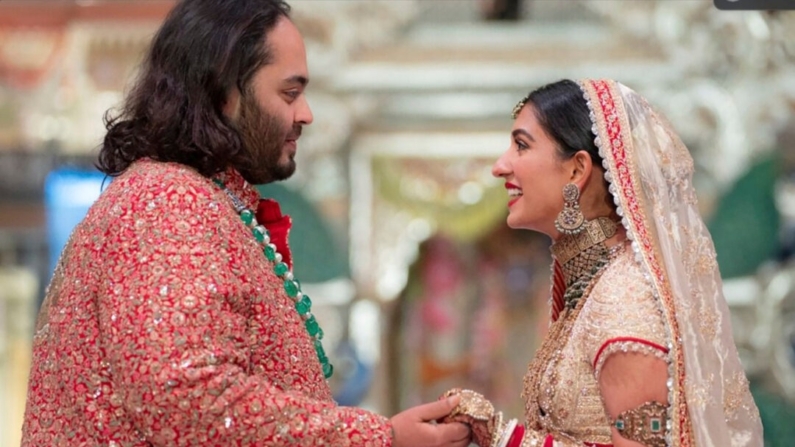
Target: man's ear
[231,107]
[581,167]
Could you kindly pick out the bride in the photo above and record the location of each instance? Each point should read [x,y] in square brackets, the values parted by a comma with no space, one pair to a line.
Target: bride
[640,348]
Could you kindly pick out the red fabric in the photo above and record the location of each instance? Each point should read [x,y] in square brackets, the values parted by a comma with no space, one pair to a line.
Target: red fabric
[166,326]
[516,436]
[269,214]
[558,289]
[620,339]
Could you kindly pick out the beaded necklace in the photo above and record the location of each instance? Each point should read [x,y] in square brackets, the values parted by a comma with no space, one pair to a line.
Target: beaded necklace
[291,285]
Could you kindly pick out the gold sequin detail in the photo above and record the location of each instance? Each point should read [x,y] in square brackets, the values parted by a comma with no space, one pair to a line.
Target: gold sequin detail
[472,404]
[619,304]
[737,396]
[165,325]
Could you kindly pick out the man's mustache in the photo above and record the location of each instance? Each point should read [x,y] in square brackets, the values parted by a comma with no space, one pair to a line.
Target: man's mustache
[296,132]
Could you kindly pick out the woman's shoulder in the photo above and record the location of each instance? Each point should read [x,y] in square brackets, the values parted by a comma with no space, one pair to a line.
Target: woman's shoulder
[621,305]
[622,283]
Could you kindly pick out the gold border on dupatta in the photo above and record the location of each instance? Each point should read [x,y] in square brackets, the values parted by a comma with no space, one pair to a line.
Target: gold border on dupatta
[618,154]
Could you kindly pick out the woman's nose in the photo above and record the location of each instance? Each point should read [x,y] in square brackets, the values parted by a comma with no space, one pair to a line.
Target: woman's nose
[500,167]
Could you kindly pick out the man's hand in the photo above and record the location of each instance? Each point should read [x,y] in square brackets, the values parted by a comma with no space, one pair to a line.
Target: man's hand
[415,427]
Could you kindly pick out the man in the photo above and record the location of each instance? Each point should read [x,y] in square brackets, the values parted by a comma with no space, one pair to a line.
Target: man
[172,317]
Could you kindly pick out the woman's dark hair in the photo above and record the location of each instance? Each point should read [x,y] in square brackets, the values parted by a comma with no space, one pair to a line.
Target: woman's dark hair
[174,112]
[563,113]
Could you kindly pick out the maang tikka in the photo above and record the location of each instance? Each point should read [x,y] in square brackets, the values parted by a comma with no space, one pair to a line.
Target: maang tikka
[570,220]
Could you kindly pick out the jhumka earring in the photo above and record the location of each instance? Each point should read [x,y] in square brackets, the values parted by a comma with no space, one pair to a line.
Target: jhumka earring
[570,220]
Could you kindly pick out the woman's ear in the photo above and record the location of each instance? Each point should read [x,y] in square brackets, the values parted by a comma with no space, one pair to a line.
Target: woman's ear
[581,167]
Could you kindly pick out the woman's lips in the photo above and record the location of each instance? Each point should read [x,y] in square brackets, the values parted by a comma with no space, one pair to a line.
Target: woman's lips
[514,192]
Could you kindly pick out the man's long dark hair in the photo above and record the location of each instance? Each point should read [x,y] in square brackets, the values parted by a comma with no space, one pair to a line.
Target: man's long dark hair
[204,50]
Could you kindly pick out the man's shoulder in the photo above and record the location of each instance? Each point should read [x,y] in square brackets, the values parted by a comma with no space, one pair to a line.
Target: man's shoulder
[149,173]
[145,179]
[151,187]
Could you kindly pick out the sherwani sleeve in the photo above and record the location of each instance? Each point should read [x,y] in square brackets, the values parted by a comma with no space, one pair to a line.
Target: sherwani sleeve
[176,339]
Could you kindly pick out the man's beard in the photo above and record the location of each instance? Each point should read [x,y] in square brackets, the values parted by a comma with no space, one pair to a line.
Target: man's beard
[264,137]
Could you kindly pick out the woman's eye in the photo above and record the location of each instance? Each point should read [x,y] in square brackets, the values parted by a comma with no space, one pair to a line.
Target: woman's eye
[520,144]
[292,93]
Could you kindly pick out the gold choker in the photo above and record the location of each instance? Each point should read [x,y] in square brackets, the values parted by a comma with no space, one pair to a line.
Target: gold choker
[594,232]
[583,255]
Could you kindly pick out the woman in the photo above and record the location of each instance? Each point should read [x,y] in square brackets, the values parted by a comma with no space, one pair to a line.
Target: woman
[640,348]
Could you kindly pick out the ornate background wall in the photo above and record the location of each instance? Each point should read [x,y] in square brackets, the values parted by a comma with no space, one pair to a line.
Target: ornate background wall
[425,287]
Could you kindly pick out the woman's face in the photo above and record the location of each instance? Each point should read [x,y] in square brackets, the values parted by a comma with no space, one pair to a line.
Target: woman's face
[534,175]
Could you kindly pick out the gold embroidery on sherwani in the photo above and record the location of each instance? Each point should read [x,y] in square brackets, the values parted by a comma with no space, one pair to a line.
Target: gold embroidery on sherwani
[167,326]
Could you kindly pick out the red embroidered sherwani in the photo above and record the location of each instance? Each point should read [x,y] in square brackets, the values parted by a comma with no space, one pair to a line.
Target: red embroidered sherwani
[165,325]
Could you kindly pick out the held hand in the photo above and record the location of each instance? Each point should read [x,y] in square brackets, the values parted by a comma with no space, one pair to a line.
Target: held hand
[414,427]
[482,432]
[478,413]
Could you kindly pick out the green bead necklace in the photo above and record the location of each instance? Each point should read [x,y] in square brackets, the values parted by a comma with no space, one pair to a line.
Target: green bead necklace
[291,285]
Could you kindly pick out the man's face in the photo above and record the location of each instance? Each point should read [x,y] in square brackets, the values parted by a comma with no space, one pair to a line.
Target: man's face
[273,109]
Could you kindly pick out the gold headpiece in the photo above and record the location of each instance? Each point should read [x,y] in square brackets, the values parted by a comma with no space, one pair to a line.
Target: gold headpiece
[518,107]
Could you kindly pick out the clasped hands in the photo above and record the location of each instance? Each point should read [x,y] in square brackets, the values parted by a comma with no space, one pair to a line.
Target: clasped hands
[464,416]
[417,427]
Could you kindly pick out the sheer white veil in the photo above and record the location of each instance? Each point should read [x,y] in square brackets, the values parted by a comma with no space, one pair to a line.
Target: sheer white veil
[650,175]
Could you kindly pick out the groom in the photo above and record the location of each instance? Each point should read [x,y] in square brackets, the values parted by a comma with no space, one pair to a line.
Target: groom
[173,318]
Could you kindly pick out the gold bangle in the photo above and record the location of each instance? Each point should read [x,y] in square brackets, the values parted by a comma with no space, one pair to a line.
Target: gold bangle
[495,427]
[506,432]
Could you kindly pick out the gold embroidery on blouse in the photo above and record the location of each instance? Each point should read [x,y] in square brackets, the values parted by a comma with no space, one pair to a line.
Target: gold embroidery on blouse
[619,304]
[559,387]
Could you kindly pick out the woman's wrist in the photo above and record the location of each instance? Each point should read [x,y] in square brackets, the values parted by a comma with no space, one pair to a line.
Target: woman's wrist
[515,440]
[504,434]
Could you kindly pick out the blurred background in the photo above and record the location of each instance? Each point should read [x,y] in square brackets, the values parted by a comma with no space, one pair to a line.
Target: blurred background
[422,286]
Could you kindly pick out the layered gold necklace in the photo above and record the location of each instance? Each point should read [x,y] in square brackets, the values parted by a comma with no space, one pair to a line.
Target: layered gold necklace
[582,255]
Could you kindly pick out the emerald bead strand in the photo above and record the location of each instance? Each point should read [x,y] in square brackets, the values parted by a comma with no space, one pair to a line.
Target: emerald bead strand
[303,305]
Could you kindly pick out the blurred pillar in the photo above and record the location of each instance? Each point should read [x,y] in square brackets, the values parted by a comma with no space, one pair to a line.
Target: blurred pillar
[508,10]
[18,288]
